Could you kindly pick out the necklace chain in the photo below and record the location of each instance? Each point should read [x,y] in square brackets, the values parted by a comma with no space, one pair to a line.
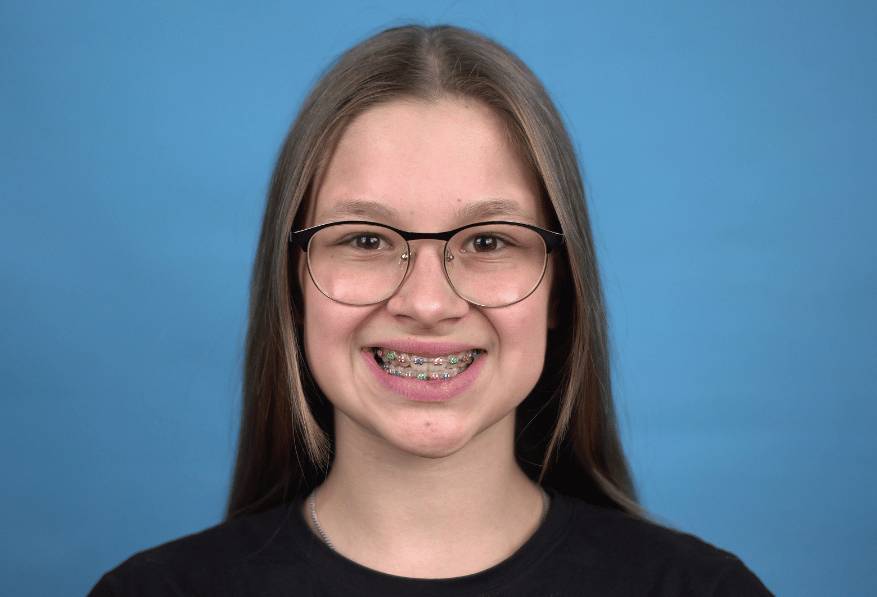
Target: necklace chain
[316,522]
[545,504]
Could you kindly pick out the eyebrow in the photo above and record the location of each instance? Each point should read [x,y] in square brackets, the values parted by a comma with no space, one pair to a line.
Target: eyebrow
[489,208]
[362,208]
[486,208]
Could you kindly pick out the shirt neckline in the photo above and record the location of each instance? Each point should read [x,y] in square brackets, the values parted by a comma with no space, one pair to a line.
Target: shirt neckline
[553,529]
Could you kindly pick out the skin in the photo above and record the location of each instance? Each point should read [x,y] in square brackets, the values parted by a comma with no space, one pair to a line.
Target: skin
[426,490]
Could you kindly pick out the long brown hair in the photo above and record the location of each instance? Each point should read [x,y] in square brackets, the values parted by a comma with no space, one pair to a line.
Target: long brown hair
[566,434]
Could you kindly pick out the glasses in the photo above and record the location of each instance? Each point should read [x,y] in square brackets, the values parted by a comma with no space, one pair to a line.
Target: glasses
[489,264]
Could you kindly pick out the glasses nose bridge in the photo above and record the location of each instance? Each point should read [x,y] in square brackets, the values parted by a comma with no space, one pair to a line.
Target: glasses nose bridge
[444,255]
[411,254]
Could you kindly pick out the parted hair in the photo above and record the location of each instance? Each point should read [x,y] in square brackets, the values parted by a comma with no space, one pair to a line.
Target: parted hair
[566,433]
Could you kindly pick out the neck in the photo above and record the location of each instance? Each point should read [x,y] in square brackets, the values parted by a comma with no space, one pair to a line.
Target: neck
[404,513]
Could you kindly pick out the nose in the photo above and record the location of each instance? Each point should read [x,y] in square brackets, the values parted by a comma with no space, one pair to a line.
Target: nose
[425,295]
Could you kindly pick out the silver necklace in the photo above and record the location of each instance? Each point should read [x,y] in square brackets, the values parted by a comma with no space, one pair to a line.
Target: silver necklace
[316,522]
[546,501]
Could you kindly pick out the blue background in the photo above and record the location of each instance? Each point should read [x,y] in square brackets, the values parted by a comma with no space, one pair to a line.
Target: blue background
[729,152]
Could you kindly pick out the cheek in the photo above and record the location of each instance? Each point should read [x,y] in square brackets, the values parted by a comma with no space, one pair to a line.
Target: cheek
[523,330]
[324,331]
[325,323]
[331,339]
[525,338]
[321,348]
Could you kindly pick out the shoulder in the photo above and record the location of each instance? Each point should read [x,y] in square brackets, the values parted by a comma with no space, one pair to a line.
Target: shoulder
[658,557]
[194,563]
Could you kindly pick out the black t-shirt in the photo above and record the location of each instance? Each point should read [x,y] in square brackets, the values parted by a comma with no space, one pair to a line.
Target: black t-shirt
[579,549]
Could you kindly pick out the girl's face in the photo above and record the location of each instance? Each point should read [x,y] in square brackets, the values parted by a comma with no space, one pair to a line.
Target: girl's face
[425,167]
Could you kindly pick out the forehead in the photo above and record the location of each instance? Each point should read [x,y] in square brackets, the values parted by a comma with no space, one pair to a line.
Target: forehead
[427,165]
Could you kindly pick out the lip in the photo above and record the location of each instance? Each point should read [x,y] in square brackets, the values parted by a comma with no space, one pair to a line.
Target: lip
[439,390]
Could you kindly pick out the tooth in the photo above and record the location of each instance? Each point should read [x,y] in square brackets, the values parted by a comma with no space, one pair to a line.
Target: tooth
[402,364]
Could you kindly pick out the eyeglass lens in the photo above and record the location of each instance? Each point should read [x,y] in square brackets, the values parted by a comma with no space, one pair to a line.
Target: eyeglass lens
[491,265]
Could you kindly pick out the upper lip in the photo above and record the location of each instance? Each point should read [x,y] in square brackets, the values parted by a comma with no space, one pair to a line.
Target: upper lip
[421,348]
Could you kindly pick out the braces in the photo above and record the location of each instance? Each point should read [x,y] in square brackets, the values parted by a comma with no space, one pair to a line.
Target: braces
[404,365]
[421,376]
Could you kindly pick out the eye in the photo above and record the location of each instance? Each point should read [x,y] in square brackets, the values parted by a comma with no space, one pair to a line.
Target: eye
[363,241]
[486,243]
[368,242]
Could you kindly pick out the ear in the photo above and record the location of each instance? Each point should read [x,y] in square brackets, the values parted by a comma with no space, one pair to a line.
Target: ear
[553,307]
[553,300]
[296,272]
[301,269]
[302,279]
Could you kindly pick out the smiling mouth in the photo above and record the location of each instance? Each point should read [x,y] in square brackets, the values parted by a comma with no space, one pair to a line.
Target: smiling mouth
[401,364]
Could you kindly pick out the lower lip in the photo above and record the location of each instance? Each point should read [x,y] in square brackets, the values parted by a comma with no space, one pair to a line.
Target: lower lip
[434,390]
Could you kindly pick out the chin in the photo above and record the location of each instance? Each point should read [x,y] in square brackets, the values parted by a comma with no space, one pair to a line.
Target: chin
[430,436]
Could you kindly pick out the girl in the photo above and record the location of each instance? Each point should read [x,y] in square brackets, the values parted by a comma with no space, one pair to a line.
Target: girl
[427,406]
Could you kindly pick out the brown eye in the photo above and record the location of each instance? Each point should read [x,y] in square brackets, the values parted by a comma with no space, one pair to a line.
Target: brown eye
[485,243]
[367,242]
